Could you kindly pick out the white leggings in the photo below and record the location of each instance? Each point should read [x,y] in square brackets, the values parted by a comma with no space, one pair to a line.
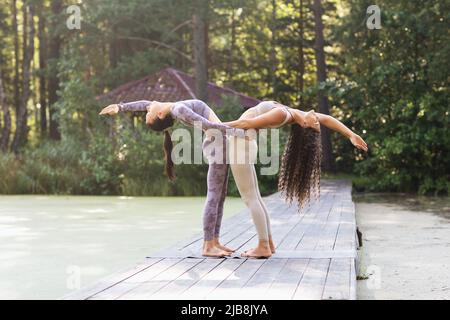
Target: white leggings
[242,158]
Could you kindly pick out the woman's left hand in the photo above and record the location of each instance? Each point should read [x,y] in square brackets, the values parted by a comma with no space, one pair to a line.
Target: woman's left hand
[111,110]
[358,142]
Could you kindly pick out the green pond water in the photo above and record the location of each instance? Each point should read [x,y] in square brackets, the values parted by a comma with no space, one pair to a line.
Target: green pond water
[50,245]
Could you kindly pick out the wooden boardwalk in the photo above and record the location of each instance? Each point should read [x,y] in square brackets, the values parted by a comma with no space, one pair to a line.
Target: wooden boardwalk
[315,258]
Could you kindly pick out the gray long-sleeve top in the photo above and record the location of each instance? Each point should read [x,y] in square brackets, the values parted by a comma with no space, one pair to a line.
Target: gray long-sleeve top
[188,112]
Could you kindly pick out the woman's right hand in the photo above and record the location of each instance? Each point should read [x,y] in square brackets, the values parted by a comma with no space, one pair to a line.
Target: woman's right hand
[358,142]
[111,110]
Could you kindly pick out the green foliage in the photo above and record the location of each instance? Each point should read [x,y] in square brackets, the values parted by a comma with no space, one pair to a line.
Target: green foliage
[53,168]
[389,85]
[143,159]
[396,93]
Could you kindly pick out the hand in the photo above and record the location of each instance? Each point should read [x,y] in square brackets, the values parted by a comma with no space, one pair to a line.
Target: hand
[111,110]
[358,142]
[240,124]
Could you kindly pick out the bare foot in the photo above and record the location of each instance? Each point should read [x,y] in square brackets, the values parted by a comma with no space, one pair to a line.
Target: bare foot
[257,253]
[271,245]
[224,248]
[215,252]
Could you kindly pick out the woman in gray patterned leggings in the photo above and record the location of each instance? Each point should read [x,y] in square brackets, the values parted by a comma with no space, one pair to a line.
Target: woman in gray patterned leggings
[161,116]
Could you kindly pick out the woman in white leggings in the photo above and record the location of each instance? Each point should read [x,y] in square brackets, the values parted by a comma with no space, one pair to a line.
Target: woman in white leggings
[300,172]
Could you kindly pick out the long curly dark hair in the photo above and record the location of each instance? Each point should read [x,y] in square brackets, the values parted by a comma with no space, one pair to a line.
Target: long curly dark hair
[299,177]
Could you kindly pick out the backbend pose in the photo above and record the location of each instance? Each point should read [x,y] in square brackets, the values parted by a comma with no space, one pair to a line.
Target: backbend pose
[160,116]
[300,171]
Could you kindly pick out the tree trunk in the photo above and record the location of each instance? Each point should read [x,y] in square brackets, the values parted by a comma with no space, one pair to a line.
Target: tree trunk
[113,49]
[42,78]
[273,52]
[53,81]
[301,56]
[232,47]
[321,72]
[200,31]
[16,57]
[21,134]
[6,130]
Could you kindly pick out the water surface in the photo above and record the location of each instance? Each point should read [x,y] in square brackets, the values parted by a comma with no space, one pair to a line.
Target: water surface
[51,244]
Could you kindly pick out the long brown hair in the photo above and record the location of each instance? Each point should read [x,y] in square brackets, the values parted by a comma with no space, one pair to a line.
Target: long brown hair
[299,177]
[161,125]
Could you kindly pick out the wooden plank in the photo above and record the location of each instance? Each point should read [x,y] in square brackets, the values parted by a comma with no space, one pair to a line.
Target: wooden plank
[210,281]
[148,288]
[233,284]
[121,288]
[311,285]
[294,236]
[345,239]
[329,233]
[282,227]
[285,283]
[313,233]
[337,285]
[174,289]
[247,239]
[110,280]
[258,285]
[282,221]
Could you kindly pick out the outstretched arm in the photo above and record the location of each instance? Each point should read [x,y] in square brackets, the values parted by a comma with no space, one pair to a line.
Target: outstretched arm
[273,117]
[334,124]
[135,106]
[189,117]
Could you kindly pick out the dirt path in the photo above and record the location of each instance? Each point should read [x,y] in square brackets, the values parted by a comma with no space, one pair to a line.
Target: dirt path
[406,250]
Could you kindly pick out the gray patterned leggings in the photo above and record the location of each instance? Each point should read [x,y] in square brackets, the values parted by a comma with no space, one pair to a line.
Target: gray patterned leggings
[217,182]
[246,181]
[217,191]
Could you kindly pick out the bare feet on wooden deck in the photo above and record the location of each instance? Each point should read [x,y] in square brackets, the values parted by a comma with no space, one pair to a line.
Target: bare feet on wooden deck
[257,253]
[215,252]
[222,247]
[210,249]
[262,251]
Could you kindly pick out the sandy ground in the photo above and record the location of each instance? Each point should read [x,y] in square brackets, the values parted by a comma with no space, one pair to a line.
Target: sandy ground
[406,252]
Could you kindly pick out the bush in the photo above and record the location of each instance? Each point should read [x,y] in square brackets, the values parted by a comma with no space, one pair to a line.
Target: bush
[51,168]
